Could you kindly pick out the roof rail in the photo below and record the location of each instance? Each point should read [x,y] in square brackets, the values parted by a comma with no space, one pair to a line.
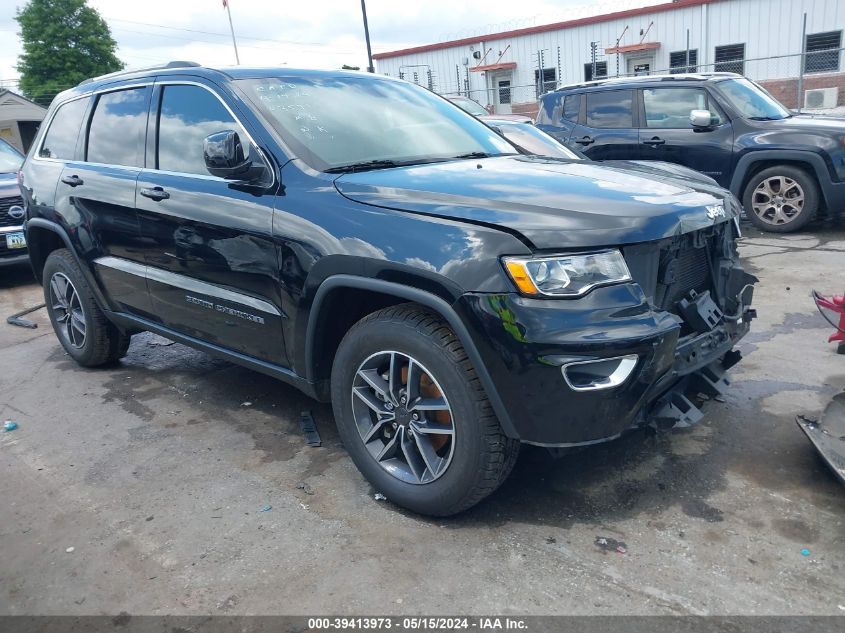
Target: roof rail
[173,64]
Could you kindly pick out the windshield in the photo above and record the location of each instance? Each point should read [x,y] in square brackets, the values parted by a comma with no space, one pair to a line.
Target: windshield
[10,158]
[468,105]
[368,123]
[752,101]
[533,140]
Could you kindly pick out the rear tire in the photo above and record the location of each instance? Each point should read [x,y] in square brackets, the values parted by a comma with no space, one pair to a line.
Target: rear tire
[469,464]
[81,327]
[781,199]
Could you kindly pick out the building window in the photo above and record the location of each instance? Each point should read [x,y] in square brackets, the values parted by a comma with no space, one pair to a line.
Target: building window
[823,52]
[548,82]
[601,71]
[730,59]
[678,62]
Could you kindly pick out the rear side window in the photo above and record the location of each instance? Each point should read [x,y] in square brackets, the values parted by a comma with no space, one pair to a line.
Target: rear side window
[572,107]
[189,114]
[611,109]
[116,134]
[671,107]
[60,140]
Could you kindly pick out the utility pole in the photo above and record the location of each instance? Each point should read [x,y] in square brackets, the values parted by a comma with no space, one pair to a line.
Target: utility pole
[232,29]
[370,67]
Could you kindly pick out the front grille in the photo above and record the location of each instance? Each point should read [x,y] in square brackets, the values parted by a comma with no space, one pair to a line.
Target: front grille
[5,204]
[686,270]
[669,269]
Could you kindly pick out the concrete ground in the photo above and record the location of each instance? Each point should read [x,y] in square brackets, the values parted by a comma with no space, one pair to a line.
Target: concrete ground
[155,473]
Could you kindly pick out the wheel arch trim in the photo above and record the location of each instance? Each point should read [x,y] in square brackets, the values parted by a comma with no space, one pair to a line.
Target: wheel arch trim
[425,299]
[812,160]
[47,225]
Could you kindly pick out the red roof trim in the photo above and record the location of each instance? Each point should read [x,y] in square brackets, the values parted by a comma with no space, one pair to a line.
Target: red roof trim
[556,26]
[502,66]
[633,48]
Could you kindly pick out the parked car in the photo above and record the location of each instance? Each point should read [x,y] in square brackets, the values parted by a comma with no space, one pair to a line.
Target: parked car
[13,245]
[531,140]
[477,110]
[784,167]
[369,243]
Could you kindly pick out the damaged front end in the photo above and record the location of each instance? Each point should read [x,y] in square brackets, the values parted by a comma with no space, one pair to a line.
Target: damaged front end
[697,278]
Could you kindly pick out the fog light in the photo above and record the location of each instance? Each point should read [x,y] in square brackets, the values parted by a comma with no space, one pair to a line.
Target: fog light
[604,373]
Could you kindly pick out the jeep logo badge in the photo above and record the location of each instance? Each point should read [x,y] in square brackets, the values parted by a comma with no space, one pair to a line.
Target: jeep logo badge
[715,211]
[16,212]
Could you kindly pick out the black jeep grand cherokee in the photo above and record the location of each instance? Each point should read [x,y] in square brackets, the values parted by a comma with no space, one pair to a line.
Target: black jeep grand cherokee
[372,244]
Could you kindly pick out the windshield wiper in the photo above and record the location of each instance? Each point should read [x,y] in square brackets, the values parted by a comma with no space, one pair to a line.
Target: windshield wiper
[474,155]
[364,165]
[767,118]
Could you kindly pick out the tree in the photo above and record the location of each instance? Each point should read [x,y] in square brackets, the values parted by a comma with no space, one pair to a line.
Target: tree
[64,42]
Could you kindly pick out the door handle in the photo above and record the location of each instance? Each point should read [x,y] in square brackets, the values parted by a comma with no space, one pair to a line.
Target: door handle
[654,142]
[73,181]
[156,193]
[585,140]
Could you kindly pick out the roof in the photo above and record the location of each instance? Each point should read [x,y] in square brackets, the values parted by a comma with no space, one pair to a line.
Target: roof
[15,107]
[647,79]
[544,28]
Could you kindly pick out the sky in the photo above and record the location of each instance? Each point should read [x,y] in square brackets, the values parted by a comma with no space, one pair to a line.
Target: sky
[304,34]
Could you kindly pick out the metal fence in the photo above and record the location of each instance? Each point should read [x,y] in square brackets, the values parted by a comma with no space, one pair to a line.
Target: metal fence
[813,80]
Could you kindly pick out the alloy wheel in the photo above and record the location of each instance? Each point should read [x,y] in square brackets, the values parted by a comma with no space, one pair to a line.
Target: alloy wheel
[777,200]
[403,417]
[67,309]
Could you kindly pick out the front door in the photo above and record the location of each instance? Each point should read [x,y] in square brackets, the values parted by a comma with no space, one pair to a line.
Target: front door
[212,264]
[667,134]
[502,93]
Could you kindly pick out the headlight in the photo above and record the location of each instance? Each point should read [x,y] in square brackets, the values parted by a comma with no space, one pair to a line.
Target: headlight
[567,275]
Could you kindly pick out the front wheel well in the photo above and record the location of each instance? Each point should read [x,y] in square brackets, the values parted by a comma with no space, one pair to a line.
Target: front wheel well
[758,166]
[339,310]
[40,243]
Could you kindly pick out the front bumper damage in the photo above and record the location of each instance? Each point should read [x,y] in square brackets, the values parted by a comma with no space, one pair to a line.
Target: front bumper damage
[679,325]
[828,435]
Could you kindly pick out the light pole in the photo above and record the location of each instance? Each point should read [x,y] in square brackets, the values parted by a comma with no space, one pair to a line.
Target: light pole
[370,67]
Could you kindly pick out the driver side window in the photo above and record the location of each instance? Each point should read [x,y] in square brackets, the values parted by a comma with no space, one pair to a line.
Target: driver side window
[187,115]
[671,107]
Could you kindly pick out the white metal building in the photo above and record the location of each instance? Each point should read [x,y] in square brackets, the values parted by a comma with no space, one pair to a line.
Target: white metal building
[760,38]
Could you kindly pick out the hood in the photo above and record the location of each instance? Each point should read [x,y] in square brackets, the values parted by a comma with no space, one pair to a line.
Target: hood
[663,169]
[9,184]
[553,204]
[808,123]
[519,118]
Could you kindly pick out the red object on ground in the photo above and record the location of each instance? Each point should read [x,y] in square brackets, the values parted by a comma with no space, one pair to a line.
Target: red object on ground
[834,304]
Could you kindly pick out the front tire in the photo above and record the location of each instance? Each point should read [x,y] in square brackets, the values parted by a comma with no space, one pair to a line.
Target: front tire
[413,414]
[781,199]
[81,327]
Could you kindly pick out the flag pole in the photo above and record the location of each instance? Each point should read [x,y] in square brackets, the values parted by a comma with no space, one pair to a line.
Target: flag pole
[232,29]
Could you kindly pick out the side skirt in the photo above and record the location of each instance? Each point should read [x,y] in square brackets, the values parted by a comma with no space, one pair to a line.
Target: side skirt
[130,322]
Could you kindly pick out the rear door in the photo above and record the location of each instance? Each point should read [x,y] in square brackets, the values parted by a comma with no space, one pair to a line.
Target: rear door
[212,263]
[608,129]
[667,134]
[95,196]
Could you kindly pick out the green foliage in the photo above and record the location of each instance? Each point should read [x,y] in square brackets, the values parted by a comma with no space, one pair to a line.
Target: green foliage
[64,42]
[348,67]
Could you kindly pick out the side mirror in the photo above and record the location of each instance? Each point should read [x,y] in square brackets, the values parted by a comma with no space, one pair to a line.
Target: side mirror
[700,118]
[224,156]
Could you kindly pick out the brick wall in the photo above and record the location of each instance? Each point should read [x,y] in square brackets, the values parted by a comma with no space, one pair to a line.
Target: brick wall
[786,90]
[529,108]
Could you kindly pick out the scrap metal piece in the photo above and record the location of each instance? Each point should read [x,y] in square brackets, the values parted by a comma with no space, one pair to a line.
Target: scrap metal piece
[309,429]
[16,319]
[828,434]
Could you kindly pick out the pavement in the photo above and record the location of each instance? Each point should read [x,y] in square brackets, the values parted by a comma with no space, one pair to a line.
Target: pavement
[174,483]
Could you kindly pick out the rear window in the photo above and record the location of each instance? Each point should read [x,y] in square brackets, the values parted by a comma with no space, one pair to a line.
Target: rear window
[572,107]
[611,109]
[60,140]
[116,135]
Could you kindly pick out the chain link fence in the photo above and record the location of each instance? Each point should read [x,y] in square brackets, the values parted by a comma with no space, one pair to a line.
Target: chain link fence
[812,81]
